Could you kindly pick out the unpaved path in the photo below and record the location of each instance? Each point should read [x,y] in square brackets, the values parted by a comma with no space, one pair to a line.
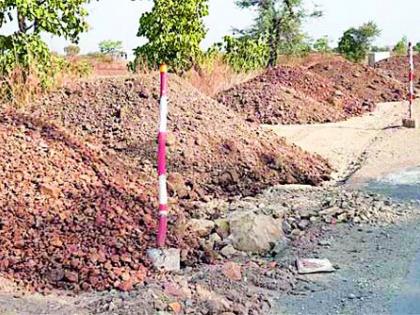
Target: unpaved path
[370,146]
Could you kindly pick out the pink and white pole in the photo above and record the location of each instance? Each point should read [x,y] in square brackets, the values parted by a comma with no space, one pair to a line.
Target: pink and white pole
[163,123]
[411,80]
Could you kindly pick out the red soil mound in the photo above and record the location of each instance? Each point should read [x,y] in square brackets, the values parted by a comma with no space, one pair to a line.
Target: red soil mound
[289,95]
[69,217]
[363,82]
[212,151]
[397,68]
[78,194]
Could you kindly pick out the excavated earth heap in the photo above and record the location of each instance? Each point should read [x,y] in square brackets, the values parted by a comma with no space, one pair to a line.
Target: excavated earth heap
[78,180]
[291,95]
[69,217]
[397,68]
[212,150]
[363,82]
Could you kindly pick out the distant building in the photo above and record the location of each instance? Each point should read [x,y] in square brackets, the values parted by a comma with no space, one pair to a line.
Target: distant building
[119,55]
[374,57]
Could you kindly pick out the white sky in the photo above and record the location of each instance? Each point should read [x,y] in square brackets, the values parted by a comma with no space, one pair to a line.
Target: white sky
[118,20]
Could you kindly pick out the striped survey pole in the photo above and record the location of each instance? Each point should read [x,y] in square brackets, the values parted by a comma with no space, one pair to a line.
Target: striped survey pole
[163,122]
[409,121]
[411,80]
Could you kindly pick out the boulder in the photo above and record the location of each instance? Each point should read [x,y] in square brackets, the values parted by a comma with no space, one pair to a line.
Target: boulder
[201,227]
[254,233]
[166,259]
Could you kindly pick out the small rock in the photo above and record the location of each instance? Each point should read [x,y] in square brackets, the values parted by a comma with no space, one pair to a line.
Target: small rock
[175,307]
[233,271]
[201,227]
[72,277]
[303,224]
[324,243]
[166,259]
[228,251]
[308,266]
[222,228]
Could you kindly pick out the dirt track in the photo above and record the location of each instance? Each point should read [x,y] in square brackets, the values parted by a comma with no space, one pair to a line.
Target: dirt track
[368,146]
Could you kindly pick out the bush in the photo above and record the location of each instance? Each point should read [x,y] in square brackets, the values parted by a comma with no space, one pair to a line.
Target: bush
[356,42]
[244,54]
[401,47]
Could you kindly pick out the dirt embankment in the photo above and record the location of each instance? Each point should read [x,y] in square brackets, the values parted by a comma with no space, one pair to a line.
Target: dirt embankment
[212,151]
[287,95]
[363,82]
[397,68]
[70,217]
[78,180]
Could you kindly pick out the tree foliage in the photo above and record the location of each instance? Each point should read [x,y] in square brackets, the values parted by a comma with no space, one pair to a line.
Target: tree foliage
[279,22]
[322,45]
[24,48]
[356,42]
[401,47]
[65,18]
[174,30]
[417,47]
[110,47]
[72,50]
[244,53]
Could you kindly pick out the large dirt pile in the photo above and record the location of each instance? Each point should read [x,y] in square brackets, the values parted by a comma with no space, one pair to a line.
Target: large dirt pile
[78,181]
[291,95]
[363,82]
[397,68]
[69,217]
[212,150]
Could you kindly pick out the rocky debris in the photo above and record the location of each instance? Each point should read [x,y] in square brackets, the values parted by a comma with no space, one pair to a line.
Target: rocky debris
[365,83]
[291,95]
[304,207]
[201,227]
[165,259]
[232,271]
[397,68]
[70,217]
[309,266]
[255,233]
[213,152]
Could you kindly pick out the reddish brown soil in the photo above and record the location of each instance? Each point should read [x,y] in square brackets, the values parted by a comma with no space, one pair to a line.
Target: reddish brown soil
[69,217]
[397,68]
[362,82]
[289,95]
[212,151]
[78,194]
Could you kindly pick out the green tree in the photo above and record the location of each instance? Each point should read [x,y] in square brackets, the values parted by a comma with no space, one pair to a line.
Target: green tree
[72,50]
[356,42]
[401,47]
[174,29]
[110,47]
[244,53]
[380,48]
[322,45]
[279,22]
[24,48]
[417,47]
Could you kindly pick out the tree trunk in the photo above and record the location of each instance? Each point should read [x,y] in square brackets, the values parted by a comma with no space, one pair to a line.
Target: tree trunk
[273,42]
[21,22]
